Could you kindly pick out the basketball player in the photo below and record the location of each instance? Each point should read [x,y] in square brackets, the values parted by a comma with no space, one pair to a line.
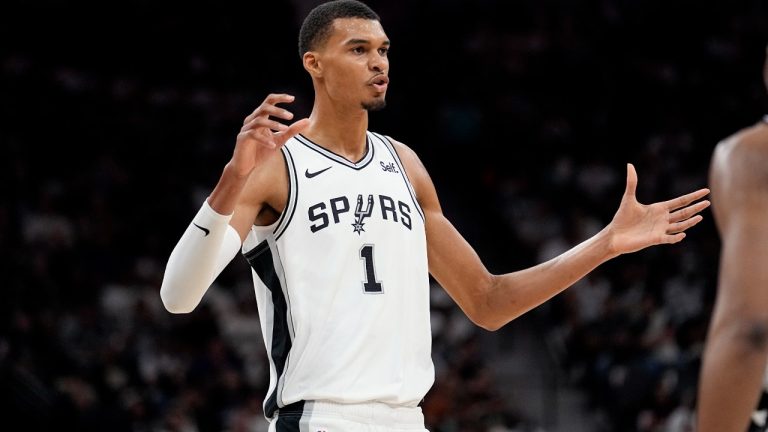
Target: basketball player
[736,352]
[342,227]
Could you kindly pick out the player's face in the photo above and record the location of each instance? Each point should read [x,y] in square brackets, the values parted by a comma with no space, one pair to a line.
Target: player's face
[355,63]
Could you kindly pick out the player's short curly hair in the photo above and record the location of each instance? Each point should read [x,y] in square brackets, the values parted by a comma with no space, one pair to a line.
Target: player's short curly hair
[317,25]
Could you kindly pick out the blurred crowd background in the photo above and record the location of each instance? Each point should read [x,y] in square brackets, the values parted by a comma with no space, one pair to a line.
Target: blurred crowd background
[116,120]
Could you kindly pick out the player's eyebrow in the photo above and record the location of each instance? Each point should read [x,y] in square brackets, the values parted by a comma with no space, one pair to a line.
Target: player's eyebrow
[364,41]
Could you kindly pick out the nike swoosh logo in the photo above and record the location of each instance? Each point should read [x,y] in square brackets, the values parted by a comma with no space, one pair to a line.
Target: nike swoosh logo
[310,175]
[205,230]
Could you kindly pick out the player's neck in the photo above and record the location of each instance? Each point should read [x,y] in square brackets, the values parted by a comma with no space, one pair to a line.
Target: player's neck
[339,129]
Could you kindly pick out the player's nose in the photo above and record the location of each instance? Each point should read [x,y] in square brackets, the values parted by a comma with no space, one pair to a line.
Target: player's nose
[378,63]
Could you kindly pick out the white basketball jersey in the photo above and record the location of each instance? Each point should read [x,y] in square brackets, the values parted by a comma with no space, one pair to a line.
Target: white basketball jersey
[342,281]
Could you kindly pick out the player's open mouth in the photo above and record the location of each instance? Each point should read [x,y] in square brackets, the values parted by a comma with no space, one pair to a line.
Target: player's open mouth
[380,83]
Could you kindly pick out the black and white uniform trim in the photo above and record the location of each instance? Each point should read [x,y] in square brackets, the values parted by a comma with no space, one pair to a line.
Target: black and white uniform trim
[342,284]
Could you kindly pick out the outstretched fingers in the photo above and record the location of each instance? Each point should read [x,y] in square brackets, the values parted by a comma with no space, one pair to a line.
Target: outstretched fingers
[268,108]
[678,227]
[673,238]
[687,212]
[263,122]
[685,200]
[686,217]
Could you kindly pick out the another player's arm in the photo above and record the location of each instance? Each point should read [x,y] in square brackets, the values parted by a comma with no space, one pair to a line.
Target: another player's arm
[490,300]
[737,344]
[249,181]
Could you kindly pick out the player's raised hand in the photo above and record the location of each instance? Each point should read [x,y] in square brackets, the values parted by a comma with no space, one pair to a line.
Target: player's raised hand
[261,137]
[636,226]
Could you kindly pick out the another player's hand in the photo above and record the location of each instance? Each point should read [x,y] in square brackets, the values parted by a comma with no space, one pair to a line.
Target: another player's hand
[636,226]
[261,137]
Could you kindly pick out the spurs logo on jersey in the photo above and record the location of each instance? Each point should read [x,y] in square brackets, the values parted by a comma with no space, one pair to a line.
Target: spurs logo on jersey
[318,213]
[342,283]
[361,214]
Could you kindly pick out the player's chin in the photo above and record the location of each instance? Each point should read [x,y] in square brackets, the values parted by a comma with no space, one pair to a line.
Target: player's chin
[375,104]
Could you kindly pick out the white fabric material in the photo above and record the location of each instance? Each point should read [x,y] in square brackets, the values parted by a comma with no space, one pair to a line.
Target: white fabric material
[342,282]
[204,250]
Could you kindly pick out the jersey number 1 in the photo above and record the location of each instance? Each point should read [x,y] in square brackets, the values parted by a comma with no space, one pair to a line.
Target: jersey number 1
[370,284]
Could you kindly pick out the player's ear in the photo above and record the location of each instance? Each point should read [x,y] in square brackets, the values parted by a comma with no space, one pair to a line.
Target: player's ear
[312,64]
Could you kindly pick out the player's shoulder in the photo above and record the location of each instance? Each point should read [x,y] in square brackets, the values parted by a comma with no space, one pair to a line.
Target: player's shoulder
[742,158]
[744,145]
[414,168]
[405,153]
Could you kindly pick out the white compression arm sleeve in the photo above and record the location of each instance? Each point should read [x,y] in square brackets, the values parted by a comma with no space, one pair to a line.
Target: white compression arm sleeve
[204,250]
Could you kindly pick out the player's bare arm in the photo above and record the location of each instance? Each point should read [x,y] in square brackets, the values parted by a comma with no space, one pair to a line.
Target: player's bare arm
[256,150]
[736,352]
[252,189]
[493,300]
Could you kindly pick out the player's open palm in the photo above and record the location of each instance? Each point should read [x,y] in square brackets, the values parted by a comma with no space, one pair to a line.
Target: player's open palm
[636,226]
[261,137]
